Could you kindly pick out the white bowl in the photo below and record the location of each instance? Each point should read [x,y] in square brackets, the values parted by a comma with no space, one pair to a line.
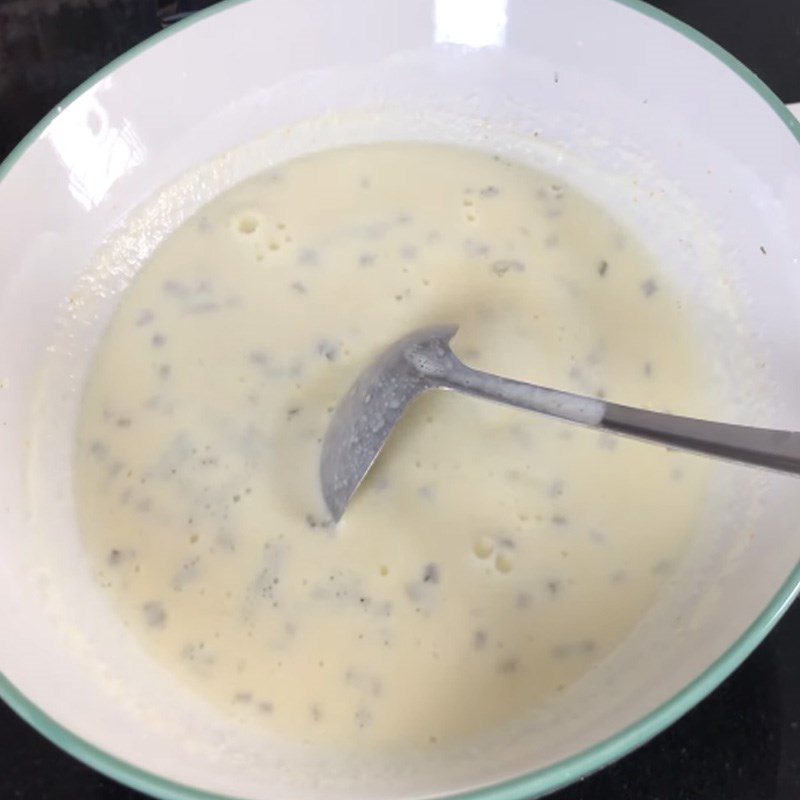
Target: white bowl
[682,141]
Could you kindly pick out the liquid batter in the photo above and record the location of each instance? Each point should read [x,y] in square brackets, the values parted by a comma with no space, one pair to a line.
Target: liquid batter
[492,556]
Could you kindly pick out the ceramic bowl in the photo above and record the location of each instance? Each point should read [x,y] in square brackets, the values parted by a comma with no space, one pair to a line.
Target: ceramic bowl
[649,117]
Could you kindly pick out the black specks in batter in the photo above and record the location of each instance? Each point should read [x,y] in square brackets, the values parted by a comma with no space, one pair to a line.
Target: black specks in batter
[186,573]
[508,665]
[663,567]
[554,587]
[146,316]
[314,522]
[363,718]
[175,289]
[327,349]
[476,249]
[197,653]
[522,601]
[649,287]
[154,614]
[98,450]
[607,441]
[505,265]
[116,557]
[598,537]
[426,491]
[572,649]
[308,257]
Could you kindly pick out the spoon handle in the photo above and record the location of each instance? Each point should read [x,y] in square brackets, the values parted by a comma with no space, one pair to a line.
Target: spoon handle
[762,447]
[775,449]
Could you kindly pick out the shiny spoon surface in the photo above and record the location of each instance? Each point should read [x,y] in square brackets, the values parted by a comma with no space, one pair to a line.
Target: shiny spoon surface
[423,360]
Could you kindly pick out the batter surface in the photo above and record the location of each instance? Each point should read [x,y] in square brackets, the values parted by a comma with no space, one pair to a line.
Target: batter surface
[493,556]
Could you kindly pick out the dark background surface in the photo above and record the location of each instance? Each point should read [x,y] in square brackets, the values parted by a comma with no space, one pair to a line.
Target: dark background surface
[743,742]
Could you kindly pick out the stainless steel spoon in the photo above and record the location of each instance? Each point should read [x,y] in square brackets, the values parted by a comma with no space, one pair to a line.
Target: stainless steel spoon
[423,360]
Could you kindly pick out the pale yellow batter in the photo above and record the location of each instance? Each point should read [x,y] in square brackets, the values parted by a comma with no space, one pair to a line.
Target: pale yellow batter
[493,556]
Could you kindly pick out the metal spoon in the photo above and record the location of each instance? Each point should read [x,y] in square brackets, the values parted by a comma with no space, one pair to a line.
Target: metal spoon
[423,360]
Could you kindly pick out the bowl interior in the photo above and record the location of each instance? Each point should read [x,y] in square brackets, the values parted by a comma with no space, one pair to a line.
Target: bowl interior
[710,179]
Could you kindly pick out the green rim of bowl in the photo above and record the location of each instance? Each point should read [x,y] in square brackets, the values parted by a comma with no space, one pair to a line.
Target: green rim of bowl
[533,784]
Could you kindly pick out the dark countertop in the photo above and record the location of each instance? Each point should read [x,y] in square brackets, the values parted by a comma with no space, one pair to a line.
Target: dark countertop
[742,742]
